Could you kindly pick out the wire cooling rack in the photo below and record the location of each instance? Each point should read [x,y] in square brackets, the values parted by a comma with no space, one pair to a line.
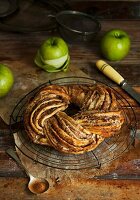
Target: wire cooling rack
[110,149]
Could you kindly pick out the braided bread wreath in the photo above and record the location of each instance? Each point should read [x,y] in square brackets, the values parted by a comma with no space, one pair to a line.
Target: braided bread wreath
[47,122]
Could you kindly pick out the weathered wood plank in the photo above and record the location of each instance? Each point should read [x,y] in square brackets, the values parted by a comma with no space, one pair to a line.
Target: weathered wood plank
[112,189]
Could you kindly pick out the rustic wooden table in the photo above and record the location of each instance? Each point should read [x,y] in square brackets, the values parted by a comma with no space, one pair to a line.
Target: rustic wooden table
[18,51]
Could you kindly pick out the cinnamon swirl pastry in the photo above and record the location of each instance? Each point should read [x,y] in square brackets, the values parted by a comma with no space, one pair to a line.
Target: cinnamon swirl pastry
[47,122]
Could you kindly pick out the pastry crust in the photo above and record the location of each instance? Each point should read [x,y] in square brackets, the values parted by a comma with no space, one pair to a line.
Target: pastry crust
[47,123]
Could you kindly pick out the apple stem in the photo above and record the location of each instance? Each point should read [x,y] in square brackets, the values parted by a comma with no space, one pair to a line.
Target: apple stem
[53,42]
[117,35]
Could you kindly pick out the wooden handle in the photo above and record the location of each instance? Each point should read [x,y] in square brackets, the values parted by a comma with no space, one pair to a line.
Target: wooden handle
[109,71]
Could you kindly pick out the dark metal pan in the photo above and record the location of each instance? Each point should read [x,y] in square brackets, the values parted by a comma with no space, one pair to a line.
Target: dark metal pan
[26,16]
[8,7]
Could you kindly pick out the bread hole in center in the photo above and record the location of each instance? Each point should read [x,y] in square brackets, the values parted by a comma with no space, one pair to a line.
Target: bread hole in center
[72,109]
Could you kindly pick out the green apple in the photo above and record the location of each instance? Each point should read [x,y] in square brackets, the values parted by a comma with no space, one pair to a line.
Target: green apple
[6,80]
[52,55]
[50,68]
[115,44]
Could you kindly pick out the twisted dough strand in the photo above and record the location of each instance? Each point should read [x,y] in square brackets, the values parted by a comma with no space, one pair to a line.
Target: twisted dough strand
[47,123]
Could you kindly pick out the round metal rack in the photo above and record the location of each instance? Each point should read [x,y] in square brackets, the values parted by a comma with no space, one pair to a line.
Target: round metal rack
[110,149]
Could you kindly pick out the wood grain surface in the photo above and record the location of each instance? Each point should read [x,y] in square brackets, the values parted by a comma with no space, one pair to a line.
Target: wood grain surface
[18,51]
[99,190]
